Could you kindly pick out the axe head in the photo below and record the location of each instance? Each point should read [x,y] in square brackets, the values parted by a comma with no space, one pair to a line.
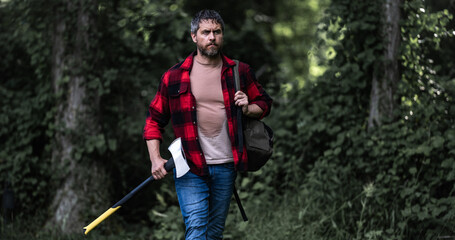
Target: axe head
[181,166]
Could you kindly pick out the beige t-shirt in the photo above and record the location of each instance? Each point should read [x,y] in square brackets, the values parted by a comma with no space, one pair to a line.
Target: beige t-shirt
[211,112]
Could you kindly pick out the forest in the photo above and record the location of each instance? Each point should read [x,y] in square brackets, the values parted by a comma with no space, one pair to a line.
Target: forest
[363,116]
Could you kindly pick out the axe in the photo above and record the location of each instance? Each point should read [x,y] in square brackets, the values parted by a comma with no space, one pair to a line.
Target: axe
[181,168]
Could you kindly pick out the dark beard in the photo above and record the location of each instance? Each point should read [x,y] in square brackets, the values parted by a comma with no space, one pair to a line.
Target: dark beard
[209,53]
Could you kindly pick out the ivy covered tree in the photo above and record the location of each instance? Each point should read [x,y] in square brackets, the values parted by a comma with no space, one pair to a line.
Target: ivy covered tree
[82,176]
[386,75]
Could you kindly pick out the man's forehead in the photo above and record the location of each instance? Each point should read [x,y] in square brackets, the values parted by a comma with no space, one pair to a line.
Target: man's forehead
[209,23]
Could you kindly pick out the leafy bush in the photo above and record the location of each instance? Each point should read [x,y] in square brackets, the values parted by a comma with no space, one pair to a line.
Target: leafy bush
[393,182]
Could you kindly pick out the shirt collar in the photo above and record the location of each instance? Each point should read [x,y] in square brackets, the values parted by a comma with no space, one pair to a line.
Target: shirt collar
[188,63]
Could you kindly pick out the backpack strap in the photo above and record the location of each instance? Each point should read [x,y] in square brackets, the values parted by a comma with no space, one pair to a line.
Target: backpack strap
[240,133]
[239,109]
[239,203]
[236,75]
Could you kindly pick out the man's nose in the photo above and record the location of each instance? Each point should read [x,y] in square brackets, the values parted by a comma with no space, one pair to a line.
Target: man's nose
[212,35]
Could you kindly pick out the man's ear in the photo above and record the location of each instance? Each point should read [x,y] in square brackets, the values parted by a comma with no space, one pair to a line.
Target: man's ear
[193,36]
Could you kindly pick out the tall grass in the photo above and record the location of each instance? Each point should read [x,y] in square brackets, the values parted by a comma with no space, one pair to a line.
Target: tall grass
[294,215]
[300,215]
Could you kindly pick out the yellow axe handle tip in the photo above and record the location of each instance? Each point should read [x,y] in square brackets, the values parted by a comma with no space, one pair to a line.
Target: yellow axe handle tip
[101,218]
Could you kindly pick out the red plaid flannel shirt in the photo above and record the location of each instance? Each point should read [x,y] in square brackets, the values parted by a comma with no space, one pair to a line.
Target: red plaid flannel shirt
[175,101]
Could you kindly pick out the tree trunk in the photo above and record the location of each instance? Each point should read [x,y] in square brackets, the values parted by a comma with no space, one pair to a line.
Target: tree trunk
[384,83]
[82,186]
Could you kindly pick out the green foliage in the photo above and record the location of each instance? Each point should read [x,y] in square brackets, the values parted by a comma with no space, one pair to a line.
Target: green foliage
[329,178]
[294,28]
[131,44]
[406,164]
[26,106]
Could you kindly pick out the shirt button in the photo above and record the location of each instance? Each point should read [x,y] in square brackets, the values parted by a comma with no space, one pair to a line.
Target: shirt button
[193,107]
[194,123]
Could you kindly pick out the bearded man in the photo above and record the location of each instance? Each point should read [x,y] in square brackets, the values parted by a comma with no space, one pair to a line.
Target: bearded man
[199,97]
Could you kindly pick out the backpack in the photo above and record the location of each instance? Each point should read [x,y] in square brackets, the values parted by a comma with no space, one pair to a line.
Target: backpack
[257,137]
[254,134]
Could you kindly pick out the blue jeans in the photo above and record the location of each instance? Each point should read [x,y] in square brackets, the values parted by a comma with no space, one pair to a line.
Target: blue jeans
[204,201]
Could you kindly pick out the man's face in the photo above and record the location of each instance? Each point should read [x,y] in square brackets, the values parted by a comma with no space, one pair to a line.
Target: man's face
[208,38]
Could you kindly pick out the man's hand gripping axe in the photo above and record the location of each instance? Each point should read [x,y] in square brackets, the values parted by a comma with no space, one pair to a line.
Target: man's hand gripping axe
[181,168]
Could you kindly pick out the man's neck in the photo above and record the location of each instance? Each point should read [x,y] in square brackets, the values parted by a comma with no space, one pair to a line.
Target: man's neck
[204,60]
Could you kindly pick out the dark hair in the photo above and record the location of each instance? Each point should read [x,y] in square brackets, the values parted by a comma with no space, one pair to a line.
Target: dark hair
[206,15]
